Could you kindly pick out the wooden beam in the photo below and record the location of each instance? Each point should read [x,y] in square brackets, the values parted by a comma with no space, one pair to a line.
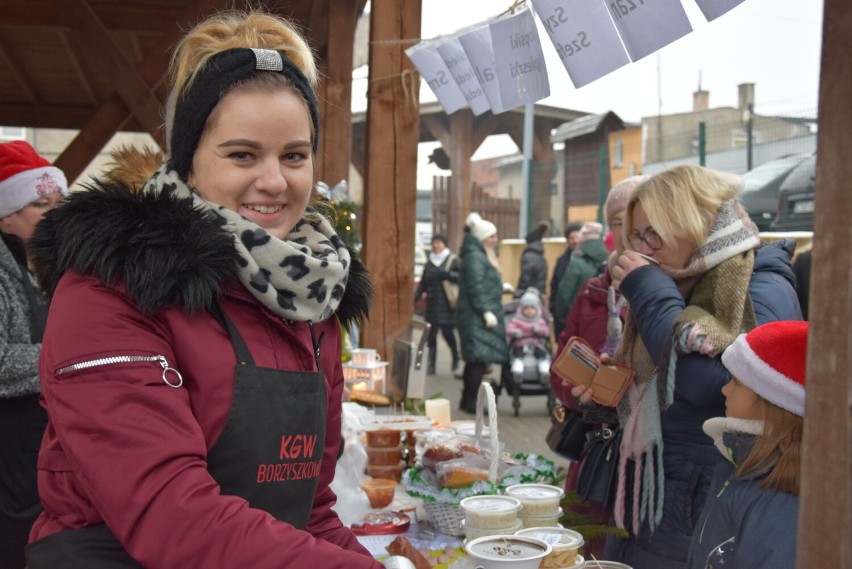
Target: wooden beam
[390,186]
[44,116]
[483,127]
[18,72]
[136,16]
[438,128]
[825,510]
[335,93]
[91,40]
[114,112]
[85,78]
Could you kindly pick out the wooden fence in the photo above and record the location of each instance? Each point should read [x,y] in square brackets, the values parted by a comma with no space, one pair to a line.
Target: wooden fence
[505,213]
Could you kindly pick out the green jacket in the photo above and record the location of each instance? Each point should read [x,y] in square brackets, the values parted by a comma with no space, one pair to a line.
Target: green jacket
[480,290]
[583,266]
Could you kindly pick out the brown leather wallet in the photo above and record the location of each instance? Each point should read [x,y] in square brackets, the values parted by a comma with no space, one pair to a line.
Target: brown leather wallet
[579,364]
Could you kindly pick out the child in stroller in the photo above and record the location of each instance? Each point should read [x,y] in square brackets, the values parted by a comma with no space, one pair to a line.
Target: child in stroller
[528,333]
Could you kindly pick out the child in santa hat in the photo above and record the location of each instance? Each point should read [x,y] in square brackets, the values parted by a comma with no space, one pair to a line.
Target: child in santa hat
[750,517]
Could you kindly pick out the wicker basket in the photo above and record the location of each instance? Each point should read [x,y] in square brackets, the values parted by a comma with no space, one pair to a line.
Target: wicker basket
[447,518]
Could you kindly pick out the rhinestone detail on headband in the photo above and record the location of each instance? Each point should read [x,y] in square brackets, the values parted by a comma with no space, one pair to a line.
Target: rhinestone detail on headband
[267,59]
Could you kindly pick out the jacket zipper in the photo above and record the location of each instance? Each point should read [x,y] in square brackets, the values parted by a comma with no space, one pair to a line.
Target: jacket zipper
[112,360]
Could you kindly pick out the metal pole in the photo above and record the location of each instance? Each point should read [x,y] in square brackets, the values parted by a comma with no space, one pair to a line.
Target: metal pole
[603,179]
[702,144]
[526,170]
[749,130]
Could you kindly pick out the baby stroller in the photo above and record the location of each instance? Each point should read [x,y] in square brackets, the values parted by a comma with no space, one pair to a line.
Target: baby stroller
[530,355]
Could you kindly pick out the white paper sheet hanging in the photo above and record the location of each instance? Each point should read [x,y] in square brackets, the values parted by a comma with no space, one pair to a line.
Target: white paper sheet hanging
[476,41]
[646,26]
[712,9]
[433,70]
[584,36]
[519,60]
[455,58]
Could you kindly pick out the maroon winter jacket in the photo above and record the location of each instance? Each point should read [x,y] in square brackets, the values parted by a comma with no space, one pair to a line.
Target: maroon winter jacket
[123,448]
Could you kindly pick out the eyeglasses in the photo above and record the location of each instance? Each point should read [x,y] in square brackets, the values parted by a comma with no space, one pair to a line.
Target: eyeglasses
[649,237]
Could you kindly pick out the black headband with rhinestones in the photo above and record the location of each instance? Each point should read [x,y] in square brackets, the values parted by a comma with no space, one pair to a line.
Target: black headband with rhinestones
[221,72]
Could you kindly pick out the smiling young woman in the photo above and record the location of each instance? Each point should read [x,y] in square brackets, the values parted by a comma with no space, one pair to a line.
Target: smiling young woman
[255,158]
[195,327]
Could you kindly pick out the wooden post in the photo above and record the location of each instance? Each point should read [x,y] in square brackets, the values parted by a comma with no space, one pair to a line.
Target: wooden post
[390,186]
[825,514]
[460,150]
[335,94]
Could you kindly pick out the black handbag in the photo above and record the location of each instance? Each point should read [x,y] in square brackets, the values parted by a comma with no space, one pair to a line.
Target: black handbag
[567,434]
[599,469]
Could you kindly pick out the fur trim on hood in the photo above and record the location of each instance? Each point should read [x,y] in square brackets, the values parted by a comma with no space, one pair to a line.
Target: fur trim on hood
[160,248]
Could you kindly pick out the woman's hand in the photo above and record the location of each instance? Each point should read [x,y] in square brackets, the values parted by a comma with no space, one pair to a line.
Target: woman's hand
[626,263]
[584,393]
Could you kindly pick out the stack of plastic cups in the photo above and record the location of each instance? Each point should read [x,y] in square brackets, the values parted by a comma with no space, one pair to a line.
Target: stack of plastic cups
[384,454]
[539,504]
[490,515]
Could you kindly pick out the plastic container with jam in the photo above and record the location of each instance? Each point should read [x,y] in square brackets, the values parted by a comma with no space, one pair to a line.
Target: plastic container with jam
[490,511]
[380,491]
[383,438]
[536,499]
[394,472]
[566,544]
[380,456]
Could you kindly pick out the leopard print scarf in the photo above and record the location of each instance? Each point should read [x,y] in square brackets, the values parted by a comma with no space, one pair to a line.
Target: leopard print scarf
[301,277]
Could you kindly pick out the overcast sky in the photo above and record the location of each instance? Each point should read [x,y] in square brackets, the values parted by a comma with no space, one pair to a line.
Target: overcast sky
[774,44]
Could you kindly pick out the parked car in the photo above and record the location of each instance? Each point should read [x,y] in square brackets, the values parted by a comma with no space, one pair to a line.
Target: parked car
[759,195]
[795,210]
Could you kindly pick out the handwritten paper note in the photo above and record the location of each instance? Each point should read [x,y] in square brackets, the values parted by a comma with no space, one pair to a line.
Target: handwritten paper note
[584,36]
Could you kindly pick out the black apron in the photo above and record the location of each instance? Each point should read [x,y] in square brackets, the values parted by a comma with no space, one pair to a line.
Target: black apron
[270,453]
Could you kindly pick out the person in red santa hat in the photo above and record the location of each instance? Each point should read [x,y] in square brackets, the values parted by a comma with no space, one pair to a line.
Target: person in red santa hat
[750,518]
[29,187]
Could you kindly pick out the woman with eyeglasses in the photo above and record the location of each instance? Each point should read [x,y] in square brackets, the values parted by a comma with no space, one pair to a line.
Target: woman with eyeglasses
[695,276]
[29,187]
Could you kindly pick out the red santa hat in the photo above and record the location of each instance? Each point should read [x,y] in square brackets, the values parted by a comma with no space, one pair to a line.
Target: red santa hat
[770,360]
[25,177]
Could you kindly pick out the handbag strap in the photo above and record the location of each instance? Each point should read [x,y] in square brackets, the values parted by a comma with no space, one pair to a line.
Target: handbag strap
[603,434]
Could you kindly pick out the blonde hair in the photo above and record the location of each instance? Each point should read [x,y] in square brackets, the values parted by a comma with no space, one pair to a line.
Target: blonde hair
[236,29]
[777,452]
[682,202]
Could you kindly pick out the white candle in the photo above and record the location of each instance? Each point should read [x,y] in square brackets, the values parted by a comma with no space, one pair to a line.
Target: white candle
[438,410]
